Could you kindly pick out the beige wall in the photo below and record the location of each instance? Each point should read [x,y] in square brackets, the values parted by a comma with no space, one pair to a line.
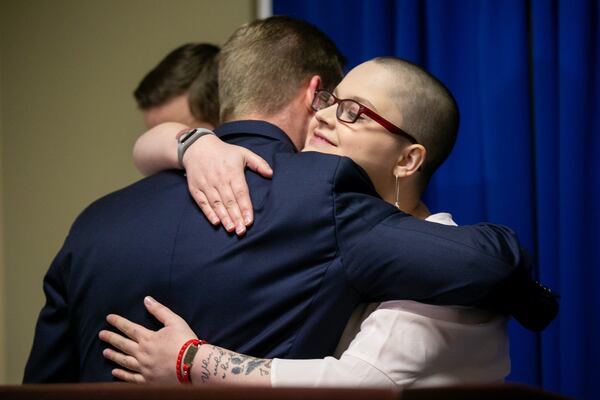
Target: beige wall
[68,122]
[2,285]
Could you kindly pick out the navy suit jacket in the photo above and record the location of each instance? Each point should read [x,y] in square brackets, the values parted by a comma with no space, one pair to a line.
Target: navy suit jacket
[322,242]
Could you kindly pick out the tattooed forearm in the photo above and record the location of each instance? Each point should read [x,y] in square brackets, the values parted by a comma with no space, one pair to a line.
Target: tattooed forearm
[217,360]
[249,366]
[205,372]
[224,366]
[265,369]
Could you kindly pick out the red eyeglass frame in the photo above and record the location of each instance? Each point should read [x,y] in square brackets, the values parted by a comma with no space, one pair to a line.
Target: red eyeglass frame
[362,109]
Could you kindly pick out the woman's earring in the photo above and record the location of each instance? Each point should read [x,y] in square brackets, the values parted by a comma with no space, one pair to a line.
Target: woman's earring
[397,193]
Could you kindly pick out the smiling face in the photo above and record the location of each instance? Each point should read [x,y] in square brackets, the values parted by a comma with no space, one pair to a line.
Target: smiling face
[366,142]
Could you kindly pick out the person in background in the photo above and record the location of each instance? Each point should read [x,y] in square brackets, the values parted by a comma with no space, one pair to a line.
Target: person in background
[181,88]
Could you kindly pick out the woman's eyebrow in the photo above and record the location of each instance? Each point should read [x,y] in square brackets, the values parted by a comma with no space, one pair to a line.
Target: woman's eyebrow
[361,100]
[364,101]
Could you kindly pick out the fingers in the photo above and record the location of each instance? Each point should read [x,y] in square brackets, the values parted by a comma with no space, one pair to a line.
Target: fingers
[131,329]
[242,197]
[240,187]
[204,205]
[161,312]
[127,346]
[223,201]
[125,361]
[128,376]
[257,164]
[217,182]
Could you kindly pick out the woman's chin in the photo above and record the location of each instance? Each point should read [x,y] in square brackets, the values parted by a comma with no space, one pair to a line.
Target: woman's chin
[319,149]
[320,145]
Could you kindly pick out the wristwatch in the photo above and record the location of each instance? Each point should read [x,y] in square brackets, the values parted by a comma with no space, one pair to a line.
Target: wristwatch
[186,137]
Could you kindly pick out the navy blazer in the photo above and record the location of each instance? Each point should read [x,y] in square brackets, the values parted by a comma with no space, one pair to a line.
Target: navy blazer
[322,242]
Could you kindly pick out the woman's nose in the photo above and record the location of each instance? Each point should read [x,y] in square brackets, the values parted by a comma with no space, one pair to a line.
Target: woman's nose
[327,115]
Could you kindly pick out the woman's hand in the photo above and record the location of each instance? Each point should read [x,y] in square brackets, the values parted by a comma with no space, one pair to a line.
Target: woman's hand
[146,355]
[215,172]
[216,180]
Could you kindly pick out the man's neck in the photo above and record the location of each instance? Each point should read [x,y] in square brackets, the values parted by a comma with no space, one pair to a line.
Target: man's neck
[283,122]
[292,119]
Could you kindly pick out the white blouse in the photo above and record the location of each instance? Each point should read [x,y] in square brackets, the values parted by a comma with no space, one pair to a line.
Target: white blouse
[405,343]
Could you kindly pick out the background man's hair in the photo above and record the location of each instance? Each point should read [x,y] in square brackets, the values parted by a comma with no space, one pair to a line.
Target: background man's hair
[190,68]
[429,111]
[264,63]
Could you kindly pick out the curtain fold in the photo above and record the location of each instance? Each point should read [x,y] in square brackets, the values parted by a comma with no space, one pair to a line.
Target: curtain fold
[526,78]
[544,56]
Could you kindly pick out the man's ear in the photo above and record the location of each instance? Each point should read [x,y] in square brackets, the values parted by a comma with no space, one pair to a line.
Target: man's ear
[313,84]
[411,160]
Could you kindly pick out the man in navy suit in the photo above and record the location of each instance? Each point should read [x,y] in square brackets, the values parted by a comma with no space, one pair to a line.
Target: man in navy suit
[322,241]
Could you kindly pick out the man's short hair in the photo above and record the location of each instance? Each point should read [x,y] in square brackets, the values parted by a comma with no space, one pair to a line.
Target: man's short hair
[264,63]
[191,68]
[429,111]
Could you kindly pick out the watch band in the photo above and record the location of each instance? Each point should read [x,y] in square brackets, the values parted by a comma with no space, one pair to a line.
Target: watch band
[186,138]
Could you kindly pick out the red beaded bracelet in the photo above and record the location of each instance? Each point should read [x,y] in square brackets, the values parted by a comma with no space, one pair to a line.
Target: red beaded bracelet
[184,369]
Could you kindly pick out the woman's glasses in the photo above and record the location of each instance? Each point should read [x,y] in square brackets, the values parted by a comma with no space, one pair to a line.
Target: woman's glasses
[349,111]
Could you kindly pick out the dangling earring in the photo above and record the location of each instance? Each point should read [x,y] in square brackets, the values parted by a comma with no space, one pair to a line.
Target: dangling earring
[397,193]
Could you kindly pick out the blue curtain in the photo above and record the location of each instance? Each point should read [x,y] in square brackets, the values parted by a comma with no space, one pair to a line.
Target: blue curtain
[526,75]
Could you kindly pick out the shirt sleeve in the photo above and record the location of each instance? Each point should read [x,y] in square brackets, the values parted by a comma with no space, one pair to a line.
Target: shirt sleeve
[417,344]
[402,257]
[347,371]
[400,348]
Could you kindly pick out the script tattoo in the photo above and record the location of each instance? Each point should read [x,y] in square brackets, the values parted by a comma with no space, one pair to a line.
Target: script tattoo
[205,372]
[217,360]
[220,365]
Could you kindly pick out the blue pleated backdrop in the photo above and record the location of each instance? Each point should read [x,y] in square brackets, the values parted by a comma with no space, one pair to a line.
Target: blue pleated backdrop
[526,75]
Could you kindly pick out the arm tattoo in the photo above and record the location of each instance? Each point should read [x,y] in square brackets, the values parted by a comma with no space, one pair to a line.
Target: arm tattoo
[205,373]
[225,365]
